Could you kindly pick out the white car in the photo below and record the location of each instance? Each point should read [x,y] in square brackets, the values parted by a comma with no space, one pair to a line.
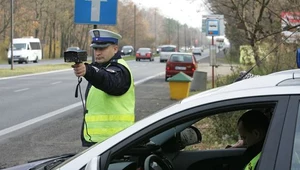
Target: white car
[168,138]
[25,49]
[166,51]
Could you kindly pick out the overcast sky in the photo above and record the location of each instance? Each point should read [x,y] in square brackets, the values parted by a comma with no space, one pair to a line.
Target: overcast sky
[181,10]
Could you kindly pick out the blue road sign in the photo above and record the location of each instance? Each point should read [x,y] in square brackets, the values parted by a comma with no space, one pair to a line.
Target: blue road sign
[298,57]
[96,12]
[212,27]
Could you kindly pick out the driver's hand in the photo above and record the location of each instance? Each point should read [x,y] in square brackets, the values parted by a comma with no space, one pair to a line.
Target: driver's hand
[239,144]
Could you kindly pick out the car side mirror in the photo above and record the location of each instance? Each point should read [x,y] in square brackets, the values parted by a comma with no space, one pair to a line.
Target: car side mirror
[190,136]
[93,164]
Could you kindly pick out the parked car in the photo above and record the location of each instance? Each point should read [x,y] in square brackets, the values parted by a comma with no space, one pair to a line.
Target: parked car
[166,51]
[161,140]
[181,62]
[127,50]
[197,51]
[73,49]
[144,53]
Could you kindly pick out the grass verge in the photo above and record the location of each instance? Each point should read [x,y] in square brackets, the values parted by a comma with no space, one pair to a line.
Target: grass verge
[33,69]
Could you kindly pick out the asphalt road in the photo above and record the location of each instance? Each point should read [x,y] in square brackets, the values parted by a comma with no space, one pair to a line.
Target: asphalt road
[41,117]
[40,96]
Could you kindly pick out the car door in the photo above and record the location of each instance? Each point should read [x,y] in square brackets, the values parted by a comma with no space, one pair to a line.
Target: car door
[208,159]
[288,153]
[222,158]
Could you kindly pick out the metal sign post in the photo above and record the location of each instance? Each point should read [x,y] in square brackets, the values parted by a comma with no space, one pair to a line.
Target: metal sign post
[12,35]
[213,28]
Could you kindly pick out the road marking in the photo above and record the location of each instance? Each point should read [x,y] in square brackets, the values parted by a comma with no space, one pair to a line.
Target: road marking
[58,82]
[38,119]
[57,112]
[148,78]
[21,90]
[27,75]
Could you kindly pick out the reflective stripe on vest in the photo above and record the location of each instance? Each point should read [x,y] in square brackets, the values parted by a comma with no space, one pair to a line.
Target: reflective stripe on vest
[113,118]
[251,165]
[108,114]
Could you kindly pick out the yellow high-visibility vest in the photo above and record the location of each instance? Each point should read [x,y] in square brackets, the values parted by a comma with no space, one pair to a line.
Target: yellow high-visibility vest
[251,165]
[108,114]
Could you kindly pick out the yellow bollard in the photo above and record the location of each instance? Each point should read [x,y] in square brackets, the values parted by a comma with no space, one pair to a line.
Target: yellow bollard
[179,86]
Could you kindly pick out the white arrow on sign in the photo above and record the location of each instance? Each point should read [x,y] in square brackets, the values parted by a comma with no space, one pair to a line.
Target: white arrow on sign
[95,9]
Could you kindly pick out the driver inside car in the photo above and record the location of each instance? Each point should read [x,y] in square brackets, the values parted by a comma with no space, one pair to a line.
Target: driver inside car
[252,126]
[240,143]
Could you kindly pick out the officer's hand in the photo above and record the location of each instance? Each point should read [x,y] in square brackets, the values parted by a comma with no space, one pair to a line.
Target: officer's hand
[79,69]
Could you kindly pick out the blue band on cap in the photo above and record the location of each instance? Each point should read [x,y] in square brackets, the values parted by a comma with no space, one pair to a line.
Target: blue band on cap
[104,40]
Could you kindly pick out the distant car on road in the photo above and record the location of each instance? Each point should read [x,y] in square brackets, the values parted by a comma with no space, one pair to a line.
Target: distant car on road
[166,51]
[158,49]
[127,50]
[197,51]
[144,53]
[73,49]
[181,62]
[25,49]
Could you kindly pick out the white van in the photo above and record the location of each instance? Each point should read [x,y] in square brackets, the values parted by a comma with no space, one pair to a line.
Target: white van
[166,51]
[25,50]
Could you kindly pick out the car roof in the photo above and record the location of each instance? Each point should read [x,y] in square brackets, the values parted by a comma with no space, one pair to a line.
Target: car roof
[127,46]
[168,46]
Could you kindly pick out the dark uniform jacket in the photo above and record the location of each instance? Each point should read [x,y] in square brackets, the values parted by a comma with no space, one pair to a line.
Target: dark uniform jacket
[113,80]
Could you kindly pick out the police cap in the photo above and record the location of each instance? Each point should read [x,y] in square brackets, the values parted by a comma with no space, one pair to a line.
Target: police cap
[103,38]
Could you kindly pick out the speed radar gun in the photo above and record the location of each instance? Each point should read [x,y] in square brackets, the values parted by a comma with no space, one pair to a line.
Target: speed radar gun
[75,56]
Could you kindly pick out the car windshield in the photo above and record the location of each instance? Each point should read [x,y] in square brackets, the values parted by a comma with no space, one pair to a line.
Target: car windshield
[126,48]
[168,49]
[19,46]
[181,58]
[196,49]
[144,50]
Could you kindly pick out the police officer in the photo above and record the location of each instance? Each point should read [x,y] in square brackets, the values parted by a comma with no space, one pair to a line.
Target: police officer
[110,97]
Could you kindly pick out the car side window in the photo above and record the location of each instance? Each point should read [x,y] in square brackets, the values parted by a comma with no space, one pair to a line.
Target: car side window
[218,131]
[296,149]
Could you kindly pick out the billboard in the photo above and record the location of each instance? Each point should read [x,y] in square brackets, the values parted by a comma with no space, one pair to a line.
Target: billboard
[290,19]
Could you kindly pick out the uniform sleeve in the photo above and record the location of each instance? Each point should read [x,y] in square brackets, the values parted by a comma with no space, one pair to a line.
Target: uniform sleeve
[113,80]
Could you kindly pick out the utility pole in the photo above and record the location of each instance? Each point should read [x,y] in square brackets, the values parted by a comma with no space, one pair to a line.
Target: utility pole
[11,34]
[134,30]
[169,39]
[155,28]
[178,47]
[185,37]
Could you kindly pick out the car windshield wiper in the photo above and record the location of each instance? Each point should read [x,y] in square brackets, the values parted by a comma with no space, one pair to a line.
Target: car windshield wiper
[52,163]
